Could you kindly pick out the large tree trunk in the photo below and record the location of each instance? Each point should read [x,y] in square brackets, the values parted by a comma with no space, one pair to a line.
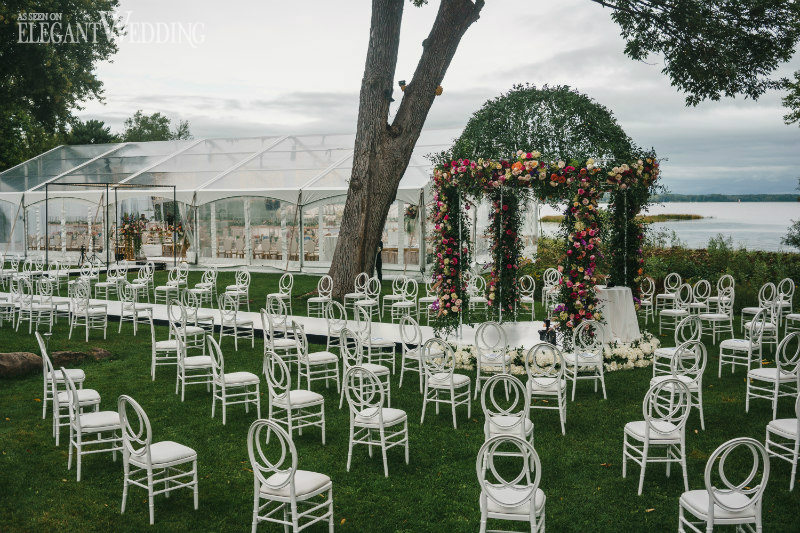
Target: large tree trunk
[383,150]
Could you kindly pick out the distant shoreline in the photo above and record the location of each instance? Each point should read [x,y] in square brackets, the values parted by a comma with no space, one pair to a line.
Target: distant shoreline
[699,198]
[647,219]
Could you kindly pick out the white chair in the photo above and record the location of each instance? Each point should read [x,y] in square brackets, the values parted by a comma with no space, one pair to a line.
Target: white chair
[439,362]
[408,305]
[315,306]
[292,409]
[766,295]
[284,293]
[377,349]
[371,300]
[516,497]
[411,342]
[104,289]
[720,321]
[722,502]
[509,417]
[781,380]
[370,422]
[130,309]
[545,367]
[85,313]
[231,388]
[87,398]
[665,408]
[169,291]
[196,315]
[286,491]
[724,282]
[31,309]
[783,440]
[278,337]
[143,284]
[359,292]
[690,328]
[206,289]
[771,326]
[231,324]
[314,366]
[46,297]
[353,352]
[163,352]
[335,320]
[397,295]
[585,362]
[527,288]
[740,352]
[701,292]
[491,349]
[551,278]
[192,337]
[476,291]
[666,299]
[786,290]
[194,369]
[668,318]
[424,302]
[158,467]
[688,365]
[103,425]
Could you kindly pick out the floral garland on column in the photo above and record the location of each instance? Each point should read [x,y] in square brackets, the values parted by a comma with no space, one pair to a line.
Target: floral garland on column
[503,294]
[451,250]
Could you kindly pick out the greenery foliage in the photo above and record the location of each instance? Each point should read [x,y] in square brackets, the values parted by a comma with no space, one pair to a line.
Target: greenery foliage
[156,127]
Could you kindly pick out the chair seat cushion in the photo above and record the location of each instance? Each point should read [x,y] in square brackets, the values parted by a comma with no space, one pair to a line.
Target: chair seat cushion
[171,344]
[735,344]
[666,352]
[319,299]
[786,427]
[513,495]
[477,299]
[284,342]
[350,295]
[300,398]
[750,310]
[686,380]
[768,326]
[393,297]
[405,303]
[378,370]
[166,452]
[792,316]
[495,358]
[666,296]
[166,288]
[380,342]
[75,374]
[197,361]
[505,425]
[442,381]
[646,303]
[279,295]
[546,384]
[305,482]
[391,416]
[85,397]
[716,317]
[428,299]
[583,359]
[240,378]
[322,357]
[771,374]
[697,502]
[675,312]
[367,302]
[100,419]
[666,431]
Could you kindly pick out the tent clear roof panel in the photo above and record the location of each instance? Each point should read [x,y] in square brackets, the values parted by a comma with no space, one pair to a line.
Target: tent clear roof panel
[46,166]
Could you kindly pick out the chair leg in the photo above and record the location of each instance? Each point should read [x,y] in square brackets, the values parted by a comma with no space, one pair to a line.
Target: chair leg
[644,465]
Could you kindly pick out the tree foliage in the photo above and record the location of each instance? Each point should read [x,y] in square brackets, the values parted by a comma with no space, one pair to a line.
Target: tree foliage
[42,84]
[792,238]
[792,100]
[90,132]
[155,127]
[558,121]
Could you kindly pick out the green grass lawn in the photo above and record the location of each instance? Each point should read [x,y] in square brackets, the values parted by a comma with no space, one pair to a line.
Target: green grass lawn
[582,471]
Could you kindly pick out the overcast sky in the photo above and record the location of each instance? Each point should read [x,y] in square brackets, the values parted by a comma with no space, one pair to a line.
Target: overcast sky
[280,66]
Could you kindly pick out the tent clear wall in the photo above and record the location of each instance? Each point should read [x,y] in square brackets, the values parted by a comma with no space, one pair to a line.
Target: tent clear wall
[271,201]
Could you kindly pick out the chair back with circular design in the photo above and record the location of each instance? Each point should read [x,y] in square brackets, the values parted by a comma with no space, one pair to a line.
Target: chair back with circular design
[325,286]
[274,471]
[725,281]
[744,493]
[550,278]
[787,357]
[647,288]
[335,316]
[372,288]
[279,380]
[688,329]
[689,360]
[476,286]
[410,334]
[361,283]
[491,342]
[217,360]
[701,291]
[300,337]
[786,289]
[364,393]
[767,294]
[398,285]
[666,407]
[672,282]
[725,305]
[589,337]
[506,491]
[410,289]
[438,358]
[286,283]
[242,280]
[505,402]
[544,365]
[351,348]
[527,286]
[683,296]
[137,434]
[758,325]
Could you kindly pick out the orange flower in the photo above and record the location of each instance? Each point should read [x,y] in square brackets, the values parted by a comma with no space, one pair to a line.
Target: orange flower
[517,166]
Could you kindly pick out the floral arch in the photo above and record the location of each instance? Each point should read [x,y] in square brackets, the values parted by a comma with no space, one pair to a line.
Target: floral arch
[507,184]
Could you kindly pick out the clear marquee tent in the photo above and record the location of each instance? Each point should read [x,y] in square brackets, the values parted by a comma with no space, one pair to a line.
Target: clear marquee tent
[270,201]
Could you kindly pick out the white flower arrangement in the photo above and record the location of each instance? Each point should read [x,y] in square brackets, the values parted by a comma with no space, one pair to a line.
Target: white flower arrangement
[617,355]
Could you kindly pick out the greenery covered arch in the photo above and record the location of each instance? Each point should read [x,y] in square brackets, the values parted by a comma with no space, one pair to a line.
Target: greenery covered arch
[561,119]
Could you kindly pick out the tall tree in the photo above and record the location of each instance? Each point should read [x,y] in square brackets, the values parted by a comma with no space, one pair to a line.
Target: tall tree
[42,81]
[711,48]
[90,132]
[155,127]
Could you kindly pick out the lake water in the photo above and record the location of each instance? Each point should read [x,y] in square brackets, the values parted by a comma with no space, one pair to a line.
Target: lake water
[754,225]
